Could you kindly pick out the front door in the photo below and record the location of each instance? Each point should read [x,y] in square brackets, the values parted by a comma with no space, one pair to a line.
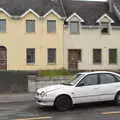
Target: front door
[89,91]
[3,58]
[73,58]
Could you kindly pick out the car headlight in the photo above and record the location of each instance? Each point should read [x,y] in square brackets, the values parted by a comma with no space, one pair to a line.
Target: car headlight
[42,94]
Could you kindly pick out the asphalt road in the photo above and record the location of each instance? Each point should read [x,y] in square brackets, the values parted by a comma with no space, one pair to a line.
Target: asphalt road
[29,111]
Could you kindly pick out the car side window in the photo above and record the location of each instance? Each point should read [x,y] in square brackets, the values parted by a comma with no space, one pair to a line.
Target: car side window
[107,78]
[90,80]
[118,78]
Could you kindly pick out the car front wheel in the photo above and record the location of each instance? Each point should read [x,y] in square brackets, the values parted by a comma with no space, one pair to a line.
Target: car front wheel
[63,103]
[117,98]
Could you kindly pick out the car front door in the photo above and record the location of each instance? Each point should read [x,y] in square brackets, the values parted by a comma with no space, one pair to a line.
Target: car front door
[87,89]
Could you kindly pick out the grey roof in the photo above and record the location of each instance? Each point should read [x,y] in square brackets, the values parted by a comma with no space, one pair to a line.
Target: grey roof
[89,11]
[18,7]
[117,3]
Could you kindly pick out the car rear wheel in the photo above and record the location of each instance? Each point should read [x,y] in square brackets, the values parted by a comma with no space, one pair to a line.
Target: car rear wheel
[117,98]
[63,103]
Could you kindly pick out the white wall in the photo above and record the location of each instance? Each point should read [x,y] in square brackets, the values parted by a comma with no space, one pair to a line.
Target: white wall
[35,83]
[86,41]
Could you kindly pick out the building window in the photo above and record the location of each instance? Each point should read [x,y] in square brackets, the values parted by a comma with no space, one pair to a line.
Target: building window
[30,26]
[112,56]
[51,26]
[30,55]
[105,27]
[74,27]
[97,56]
[51,55]
[80,55]
[2,25]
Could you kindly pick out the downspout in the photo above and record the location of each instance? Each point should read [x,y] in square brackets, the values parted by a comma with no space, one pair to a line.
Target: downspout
[61,2]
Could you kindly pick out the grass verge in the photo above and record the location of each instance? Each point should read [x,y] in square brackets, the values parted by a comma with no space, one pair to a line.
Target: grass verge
[61,72]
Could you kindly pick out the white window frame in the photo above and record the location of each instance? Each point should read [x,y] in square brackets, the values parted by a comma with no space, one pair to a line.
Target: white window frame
[102,26]
[51,55]
[94,57]
[116,57]
[48,29]
[30,30]
[108,20]
[3,29]
[78,27]
[32,57]
[75,18]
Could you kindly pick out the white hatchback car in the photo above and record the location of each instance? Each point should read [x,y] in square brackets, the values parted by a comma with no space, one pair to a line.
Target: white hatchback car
[86,87]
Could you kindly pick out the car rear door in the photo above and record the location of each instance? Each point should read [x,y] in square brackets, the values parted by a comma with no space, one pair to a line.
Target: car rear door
[108,86]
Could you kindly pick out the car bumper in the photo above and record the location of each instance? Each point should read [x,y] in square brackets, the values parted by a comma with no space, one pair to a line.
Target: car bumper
[42,102]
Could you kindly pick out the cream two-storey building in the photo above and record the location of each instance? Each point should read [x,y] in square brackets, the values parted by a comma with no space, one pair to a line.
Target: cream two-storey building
[31,34]
[56,34]
[92,35]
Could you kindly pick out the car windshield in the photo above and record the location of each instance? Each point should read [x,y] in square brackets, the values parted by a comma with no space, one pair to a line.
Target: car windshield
[74,79]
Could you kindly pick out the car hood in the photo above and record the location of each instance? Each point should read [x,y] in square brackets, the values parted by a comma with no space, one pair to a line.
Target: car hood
[51,88]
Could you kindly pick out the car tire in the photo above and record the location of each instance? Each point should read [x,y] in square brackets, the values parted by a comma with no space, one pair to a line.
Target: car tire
[63,103]
[117,98]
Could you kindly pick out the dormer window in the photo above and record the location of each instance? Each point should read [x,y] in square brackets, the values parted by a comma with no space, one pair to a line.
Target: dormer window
[105,27]
[74,23]
[105,22]
[74,27]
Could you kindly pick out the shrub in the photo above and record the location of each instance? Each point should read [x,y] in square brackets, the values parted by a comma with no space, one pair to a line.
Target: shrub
[61,72]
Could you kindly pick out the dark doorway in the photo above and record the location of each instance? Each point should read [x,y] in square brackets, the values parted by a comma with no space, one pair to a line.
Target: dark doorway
[3,58]
[74,55]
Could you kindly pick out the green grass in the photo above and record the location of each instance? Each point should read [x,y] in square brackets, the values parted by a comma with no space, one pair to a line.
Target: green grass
[61,72]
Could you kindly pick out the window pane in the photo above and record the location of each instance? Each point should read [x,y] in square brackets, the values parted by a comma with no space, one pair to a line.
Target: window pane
[30,26]
[52,55]
[107,78]
[112,56]
[2,25]
[80,55]
[105,27]
[96,56]
[30,55]
[118,78]
[51,26]
[90,80]
[74,27]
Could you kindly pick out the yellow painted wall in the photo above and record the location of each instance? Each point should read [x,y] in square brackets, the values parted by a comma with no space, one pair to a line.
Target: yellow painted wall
[16,40]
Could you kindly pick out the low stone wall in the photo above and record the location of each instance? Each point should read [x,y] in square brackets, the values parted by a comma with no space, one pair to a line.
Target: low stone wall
[39,82]
[14,81]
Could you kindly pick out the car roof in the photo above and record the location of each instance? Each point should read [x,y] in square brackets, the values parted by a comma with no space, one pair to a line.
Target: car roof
[93,72]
